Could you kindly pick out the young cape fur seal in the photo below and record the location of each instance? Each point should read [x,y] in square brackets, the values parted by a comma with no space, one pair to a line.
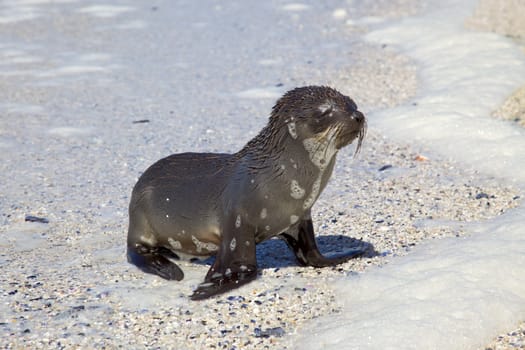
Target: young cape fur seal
[203,204]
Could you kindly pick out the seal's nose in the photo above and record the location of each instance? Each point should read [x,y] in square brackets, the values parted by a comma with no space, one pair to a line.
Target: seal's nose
[358,116]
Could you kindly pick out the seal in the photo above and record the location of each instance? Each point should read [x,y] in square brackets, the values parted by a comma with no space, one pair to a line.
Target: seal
[204,204]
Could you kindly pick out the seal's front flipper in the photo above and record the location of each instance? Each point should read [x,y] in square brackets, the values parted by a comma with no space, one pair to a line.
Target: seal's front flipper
[235,264]
[152,261]
[302,242]
[220,283]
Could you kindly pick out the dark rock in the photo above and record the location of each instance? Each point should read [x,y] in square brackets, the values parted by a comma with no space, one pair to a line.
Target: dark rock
[235,298]
[32,218]
[269,332]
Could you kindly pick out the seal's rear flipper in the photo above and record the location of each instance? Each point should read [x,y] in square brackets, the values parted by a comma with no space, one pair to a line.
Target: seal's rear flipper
[153,261]
[302,242]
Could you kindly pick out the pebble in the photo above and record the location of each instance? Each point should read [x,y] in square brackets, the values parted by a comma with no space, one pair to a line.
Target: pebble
[269,332]
[482,195]
[31,218]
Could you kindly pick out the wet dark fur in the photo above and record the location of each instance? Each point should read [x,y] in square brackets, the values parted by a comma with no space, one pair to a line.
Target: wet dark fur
[202,204]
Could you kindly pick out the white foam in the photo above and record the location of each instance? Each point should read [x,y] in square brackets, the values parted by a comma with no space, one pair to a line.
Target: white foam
[368,20]
[256,93]
[17,108]
[9,57]
[339,13]
[295,7]
[68,131]
[449,294]
[131,294]
[106,11]
[73,69]
[270,62]
[18,72]
[134,24]
[452,293]
[25,236]
[12,11]
[17,14]
[466,75]
[38,2]
[89,57]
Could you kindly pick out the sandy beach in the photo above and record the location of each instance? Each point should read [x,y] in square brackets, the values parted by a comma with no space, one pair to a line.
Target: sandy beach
[91,95]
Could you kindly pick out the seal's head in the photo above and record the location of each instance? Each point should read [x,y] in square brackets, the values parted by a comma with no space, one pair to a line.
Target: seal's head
[319,113]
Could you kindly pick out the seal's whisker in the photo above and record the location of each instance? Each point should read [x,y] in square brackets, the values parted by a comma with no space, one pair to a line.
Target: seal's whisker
[322,136]
[333,134]
[320,141]
[360,137]
[324,140]
[339,129]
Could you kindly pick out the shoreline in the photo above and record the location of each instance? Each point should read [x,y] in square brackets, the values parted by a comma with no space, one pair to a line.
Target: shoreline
[505,19]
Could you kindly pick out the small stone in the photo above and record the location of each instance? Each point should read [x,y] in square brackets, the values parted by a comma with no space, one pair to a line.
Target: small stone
[269,332]
[235,298]
[482,195]
[32,218]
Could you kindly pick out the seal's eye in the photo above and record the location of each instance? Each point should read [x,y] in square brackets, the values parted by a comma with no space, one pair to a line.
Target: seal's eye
[327,113]
[326,107]
[322,116]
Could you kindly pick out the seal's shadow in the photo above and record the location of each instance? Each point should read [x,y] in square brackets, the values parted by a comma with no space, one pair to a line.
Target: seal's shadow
[275,253]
